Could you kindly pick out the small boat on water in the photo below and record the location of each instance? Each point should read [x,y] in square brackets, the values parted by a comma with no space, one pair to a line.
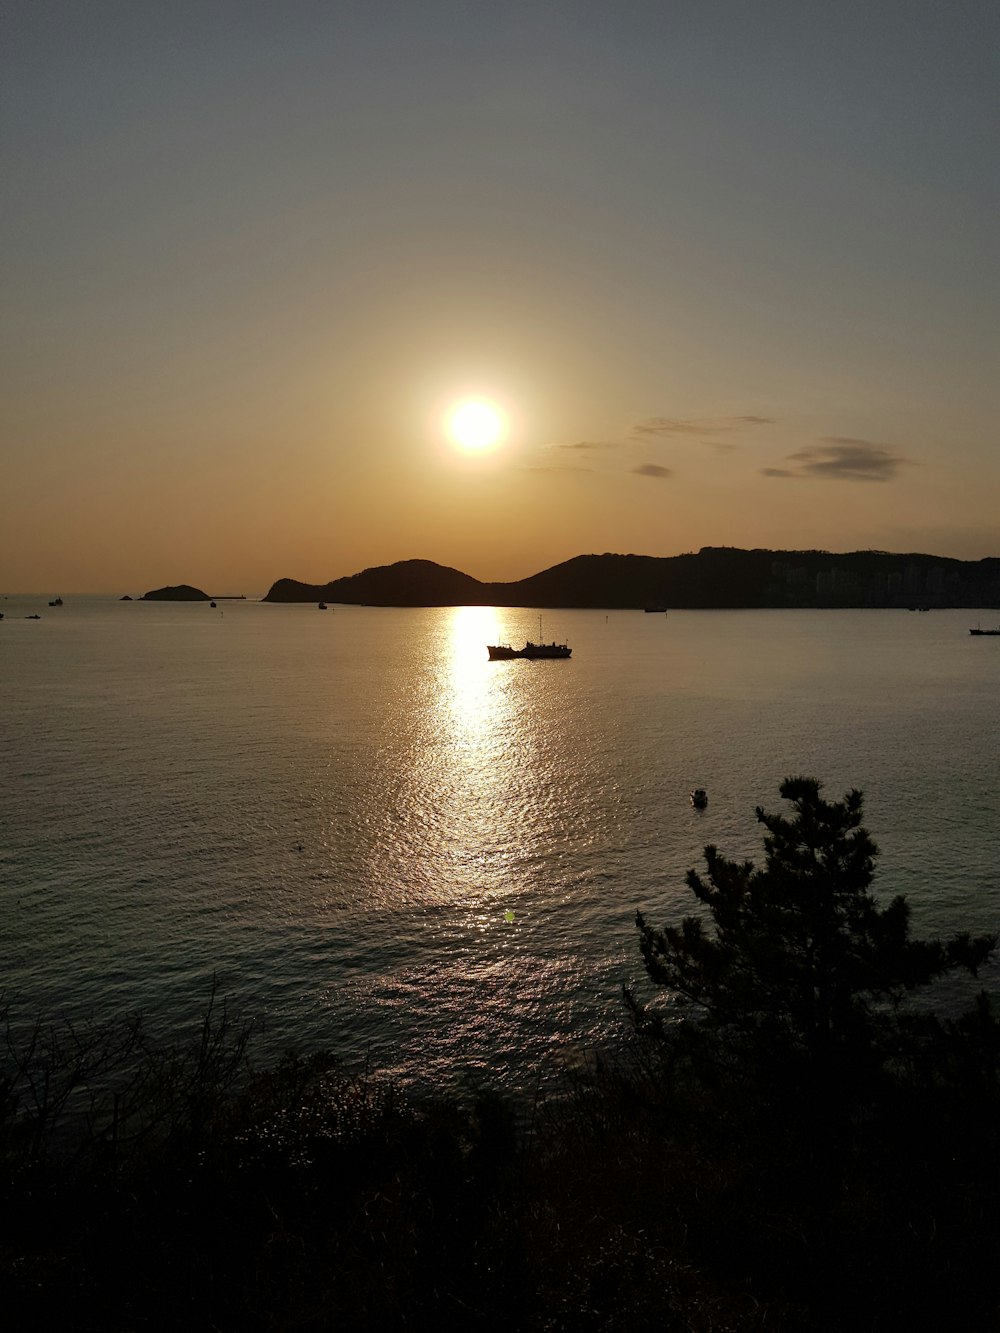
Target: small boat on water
[982,633]
[58,602]
[321,606]
[699,798]
[503,652]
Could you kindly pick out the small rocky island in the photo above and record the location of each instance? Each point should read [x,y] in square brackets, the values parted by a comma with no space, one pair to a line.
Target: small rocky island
[181,592]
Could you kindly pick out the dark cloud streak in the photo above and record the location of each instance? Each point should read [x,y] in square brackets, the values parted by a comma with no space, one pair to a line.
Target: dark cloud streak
[842,458]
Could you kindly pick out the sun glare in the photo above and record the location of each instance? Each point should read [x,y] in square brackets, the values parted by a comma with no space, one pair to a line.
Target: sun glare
[476,425]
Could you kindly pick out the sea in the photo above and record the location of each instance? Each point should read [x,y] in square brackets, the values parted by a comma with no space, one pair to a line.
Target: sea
[372,840]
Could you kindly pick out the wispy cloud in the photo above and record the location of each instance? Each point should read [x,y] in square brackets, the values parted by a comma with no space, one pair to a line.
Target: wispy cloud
[647,438]
[585,445]
[577,456]
[556,468]
[697,427]
[842,458]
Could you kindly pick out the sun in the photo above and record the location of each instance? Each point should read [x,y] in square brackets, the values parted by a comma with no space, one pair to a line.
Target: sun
[475,425]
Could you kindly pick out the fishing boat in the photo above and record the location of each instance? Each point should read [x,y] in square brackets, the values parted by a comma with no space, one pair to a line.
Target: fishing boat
[58,602]
[982,633]
[503,652]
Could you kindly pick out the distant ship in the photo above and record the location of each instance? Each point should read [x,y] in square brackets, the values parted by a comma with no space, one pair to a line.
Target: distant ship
[503,652]
[981,632]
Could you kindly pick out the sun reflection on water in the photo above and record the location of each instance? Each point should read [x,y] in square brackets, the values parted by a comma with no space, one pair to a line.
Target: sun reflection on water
[474,700]
[471,765]
[470,802]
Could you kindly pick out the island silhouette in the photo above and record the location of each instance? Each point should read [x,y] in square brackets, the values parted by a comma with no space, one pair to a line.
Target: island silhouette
[178,592]
[716,577]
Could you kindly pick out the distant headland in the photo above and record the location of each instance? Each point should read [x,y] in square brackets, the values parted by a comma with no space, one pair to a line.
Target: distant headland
[716,577]
[180,592]
[183,592]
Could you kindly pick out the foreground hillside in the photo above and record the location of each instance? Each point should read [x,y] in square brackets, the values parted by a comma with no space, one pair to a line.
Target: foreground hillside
[774,1148]
[715,577]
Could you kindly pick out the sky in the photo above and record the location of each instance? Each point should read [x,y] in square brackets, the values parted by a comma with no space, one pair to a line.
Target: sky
[728,268]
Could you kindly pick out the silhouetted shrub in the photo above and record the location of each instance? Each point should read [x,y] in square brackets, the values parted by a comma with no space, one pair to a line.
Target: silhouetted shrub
[855,1138]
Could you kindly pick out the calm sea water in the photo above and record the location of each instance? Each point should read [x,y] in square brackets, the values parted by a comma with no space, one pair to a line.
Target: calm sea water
[383,843]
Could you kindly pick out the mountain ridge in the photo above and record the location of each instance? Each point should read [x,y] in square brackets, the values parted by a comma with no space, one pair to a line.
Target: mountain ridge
[715,577]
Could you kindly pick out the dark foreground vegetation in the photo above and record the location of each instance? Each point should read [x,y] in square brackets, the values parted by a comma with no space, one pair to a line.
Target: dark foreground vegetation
[785,1145]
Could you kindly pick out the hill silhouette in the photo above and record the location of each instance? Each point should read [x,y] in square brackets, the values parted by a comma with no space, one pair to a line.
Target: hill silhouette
[178,592]
[717,577]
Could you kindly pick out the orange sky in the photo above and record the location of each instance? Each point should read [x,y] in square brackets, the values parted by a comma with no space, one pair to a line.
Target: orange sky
[733,282]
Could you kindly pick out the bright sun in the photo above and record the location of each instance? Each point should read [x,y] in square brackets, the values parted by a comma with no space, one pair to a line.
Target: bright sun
[476,425]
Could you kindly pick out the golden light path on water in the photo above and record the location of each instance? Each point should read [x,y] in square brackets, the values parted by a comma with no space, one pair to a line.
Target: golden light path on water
[477,841]
[475,721]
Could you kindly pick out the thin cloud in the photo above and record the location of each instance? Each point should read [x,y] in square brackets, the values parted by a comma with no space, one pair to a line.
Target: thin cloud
[556,469]
[578,456]
[652,470]
[842,458]
[697,427]
[587,445]
[660,427]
